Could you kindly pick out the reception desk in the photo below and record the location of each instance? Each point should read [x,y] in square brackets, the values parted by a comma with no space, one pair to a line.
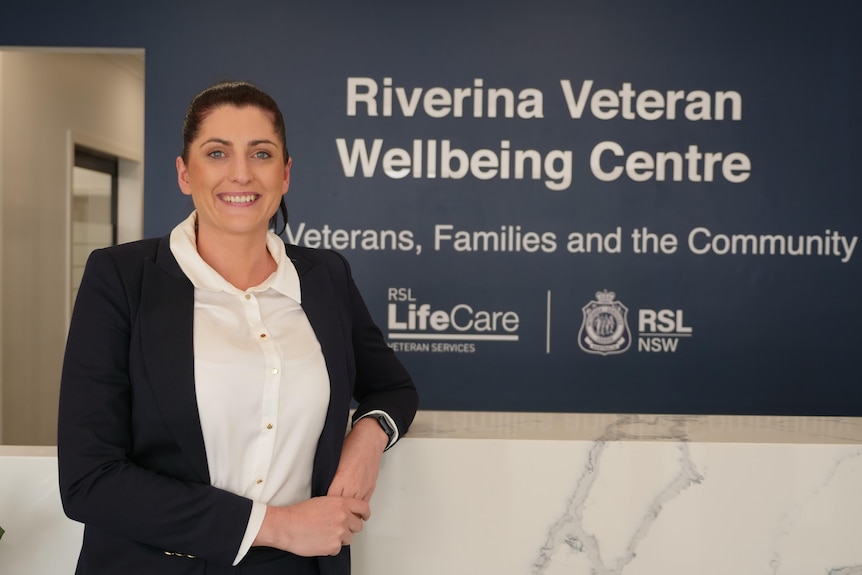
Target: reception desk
[536,493]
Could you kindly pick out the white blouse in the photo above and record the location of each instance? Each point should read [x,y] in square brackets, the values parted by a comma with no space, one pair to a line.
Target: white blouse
[260,378]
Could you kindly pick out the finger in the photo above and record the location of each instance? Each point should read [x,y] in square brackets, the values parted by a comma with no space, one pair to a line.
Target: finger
[361,509]
[354,525]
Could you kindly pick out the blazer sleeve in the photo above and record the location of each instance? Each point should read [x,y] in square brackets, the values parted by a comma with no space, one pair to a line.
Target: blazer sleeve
[382,382]
[102,483]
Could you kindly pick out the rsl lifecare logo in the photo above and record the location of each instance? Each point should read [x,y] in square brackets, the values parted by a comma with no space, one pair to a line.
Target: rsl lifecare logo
[605,328]
[416,326]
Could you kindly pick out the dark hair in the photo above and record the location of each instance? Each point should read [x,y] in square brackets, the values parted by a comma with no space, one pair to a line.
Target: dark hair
[241,95]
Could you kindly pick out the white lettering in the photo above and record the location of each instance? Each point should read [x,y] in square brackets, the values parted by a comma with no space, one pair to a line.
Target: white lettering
[651,105]
[692,166]
[703,241]
[365,97]
[455,163]
[460,318]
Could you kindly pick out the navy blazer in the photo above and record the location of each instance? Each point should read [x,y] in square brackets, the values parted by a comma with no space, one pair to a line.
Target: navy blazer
[132,461]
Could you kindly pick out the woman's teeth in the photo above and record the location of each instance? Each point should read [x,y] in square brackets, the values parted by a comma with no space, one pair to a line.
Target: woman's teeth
[245,199]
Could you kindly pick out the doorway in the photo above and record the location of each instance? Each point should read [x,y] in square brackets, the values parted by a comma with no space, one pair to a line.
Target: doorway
[54,101]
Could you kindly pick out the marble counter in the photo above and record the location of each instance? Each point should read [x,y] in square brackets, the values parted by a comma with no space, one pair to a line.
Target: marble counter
[527,493]
[530,494]
[632,427]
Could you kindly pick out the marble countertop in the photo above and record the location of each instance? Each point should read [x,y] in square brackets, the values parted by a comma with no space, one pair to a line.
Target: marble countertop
[607,427]
[28,451]
[636,427]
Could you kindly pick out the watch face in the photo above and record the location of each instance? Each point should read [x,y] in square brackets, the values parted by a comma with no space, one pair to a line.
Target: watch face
[385,425]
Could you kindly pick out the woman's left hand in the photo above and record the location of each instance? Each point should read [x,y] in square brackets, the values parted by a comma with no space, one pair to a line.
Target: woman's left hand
[359,465]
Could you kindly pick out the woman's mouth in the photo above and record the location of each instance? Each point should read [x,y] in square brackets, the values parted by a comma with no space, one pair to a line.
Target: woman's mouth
[239,199]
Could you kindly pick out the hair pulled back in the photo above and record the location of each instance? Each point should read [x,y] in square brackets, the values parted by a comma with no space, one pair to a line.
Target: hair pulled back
[239,94]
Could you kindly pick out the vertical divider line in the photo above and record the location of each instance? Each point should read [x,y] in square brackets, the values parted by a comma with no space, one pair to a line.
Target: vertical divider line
[548,329]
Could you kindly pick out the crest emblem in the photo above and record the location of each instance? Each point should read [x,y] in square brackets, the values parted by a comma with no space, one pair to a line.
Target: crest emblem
[605,329]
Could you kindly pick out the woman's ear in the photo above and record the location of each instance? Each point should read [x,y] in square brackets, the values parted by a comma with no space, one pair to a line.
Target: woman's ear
[286,183]
[183,176]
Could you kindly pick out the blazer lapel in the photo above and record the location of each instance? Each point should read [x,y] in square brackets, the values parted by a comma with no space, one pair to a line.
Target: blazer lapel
[166,320]
[323,310]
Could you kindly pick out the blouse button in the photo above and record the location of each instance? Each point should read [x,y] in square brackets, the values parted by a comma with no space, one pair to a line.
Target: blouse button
[263,336]
[247,296]
[269,426]
[274,371]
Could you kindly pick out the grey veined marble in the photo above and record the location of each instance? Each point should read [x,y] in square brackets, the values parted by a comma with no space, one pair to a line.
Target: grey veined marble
[478,493]
[602,494]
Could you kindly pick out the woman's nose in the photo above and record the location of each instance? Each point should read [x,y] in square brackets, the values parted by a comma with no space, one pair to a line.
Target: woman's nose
[240,170]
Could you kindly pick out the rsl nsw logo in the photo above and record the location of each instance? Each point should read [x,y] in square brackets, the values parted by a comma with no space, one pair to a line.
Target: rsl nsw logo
[417,326]
[605,329]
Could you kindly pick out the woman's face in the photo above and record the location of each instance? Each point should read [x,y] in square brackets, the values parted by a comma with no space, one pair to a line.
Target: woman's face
[235,172]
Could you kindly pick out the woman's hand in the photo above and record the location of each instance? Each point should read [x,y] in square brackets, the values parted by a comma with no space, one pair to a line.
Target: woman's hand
[359,465]
[317,526]
[322,525]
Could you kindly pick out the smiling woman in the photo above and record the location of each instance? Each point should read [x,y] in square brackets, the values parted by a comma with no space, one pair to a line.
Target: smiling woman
[236,172]
[209,375]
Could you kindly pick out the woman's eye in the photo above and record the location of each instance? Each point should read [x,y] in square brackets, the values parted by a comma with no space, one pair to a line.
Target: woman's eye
[262,155]
[216,154]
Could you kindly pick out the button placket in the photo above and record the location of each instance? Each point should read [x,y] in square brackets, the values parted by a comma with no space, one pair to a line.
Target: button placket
[270,394]
[265,441]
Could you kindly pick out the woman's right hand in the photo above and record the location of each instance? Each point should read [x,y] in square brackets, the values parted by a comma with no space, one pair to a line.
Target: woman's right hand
[317,526]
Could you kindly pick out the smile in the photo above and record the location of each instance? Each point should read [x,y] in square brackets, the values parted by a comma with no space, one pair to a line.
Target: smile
[239,199]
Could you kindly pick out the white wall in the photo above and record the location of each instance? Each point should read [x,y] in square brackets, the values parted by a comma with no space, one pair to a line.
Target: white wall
[50,101]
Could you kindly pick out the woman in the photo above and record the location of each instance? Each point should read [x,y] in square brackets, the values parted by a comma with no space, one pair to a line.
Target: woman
[209,373]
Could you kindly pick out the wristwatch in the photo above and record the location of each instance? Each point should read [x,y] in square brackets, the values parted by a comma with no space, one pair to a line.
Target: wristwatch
[384,423]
